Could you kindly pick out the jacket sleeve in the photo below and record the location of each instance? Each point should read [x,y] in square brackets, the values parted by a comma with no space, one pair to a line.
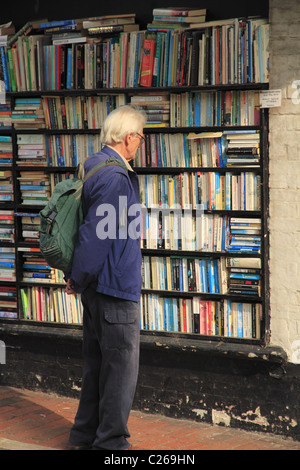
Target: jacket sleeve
[100,227]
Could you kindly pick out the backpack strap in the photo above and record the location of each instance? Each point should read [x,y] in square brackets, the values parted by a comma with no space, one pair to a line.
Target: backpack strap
[109,161]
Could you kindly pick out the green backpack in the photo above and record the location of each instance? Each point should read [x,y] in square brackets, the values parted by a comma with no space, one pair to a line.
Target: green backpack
[61,218]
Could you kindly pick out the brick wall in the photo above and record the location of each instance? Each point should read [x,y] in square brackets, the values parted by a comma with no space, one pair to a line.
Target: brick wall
[284,155]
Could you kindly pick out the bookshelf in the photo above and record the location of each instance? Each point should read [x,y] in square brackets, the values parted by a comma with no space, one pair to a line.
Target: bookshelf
[203,172]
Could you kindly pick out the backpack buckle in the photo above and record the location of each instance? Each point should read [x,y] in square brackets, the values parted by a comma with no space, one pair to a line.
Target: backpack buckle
[49,221]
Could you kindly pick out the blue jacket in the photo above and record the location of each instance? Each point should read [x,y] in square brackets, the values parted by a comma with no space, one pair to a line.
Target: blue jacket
[107,257]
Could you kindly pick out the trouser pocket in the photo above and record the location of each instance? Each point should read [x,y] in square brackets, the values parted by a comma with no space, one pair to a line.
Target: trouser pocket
[121,325]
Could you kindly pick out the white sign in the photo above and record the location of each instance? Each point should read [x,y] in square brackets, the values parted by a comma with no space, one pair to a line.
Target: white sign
[270,98]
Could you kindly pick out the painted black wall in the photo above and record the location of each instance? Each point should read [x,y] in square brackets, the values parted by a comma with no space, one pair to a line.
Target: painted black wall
[22,11]
[238,385]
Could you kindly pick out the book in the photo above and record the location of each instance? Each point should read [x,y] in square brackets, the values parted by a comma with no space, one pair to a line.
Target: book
[108,29]
[147,61]
[179,11]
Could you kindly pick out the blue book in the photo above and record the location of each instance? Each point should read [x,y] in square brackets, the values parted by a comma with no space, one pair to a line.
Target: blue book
[69,69]
[240,320]
[56,24]
[5,138]
[244,276]
[216,275]
[35,266]
[5,69]
[229,318]
[6,265]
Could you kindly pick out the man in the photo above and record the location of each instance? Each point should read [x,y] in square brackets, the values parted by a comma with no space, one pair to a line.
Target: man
[107,272]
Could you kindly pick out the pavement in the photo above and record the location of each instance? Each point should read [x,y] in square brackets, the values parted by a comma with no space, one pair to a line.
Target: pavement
[37,421]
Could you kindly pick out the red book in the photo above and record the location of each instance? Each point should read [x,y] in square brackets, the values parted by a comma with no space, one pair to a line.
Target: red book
[147,62]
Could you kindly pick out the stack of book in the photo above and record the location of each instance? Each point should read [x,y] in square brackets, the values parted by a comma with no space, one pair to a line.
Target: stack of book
[31,150]
[6,186]
[34,188]
[108,24]
[244,276]
[7,264]
[8,302]
[242,148]
[28,114]
[30,226]
[155,106]
[5,113]
[244,235]
[165,19]
[36,269]
[7,227]
[7,30]
[6,150]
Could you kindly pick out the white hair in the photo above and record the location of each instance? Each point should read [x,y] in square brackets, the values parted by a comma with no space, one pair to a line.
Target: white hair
[120,122]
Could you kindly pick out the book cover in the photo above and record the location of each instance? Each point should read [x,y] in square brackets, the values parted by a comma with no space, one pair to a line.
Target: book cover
[148,56]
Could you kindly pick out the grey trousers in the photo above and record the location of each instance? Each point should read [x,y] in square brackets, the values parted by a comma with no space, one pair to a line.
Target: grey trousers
[111,332]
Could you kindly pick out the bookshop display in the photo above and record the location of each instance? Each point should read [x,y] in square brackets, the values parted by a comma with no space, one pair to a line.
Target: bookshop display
[200,167]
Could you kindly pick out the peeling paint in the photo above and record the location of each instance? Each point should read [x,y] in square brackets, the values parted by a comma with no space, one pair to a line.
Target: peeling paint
[252,355]
[200,413]
[253,417]
[220,417]
[75,387]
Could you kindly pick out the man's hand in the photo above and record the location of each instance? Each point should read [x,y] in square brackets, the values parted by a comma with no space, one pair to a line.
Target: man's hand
[68,289]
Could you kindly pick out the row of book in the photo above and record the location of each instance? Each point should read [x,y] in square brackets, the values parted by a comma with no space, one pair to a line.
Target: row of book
[171,230]
[204,317]
[219,108]
[189,109]
[49,304]
[8,301]
[168,273]
[202,191]
[204,275]
[205,149]
[181,150]
[80,112]
[56,150]
[195,109]
[230,51]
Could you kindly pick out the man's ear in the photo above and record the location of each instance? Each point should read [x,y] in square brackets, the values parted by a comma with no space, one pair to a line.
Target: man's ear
[128,139]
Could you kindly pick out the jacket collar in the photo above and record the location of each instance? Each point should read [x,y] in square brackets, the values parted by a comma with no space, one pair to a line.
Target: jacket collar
[113,152]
